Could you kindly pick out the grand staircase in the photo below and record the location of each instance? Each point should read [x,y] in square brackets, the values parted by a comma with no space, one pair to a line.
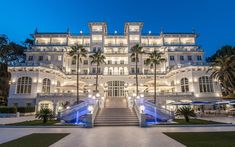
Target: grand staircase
[116,113]
[116,117]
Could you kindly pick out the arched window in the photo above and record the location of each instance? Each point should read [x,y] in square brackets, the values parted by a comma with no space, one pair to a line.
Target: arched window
[24,85]
[184,85]
[205,84]
[46,84]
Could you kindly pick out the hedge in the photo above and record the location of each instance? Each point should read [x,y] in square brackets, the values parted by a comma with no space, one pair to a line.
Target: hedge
[26,109]
[15,109]
[8,109]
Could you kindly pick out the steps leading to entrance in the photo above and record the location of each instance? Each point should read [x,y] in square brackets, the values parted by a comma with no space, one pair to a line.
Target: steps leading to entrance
[116,117]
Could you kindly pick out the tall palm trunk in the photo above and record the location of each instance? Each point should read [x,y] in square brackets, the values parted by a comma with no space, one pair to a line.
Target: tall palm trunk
[155,88]
[96,85]
[78,79]
[136,74]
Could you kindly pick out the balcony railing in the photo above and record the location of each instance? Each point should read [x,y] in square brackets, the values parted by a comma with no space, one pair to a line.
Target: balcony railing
[171,94]
[58,95]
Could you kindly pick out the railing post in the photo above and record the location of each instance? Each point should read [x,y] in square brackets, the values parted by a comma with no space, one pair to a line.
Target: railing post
[143,120]
[89,123]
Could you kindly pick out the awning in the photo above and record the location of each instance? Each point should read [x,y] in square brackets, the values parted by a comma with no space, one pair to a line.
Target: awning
[201,103]
[179,103]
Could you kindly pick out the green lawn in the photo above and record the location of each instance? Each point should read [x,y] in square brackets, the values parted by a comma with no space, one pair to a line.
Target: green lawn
[39,123]
[204,139]
[195,122]
[35,140]
[35,123]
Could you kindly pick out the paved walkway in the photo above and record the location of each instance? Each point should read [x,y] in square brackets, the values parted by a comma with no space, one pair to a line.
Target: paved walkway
[10,120]
[110,136]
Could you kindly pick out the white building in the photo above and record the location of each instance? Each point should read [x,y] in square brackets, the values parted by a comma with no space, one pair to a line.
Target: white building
[48,78]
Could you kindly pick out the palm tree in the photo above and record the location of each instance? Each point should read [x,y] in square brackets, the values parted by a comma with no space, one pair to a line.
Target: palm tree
[78,52]
[136,50]
[223,69]
[97,58]
[155,58]
[45,114]
[187,112]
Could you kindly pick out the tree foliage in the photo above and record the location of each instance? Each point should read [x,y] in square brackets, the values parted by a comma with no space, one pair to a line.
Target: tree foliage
[97,58]
[155,58]
[10,54]
[186,111]
[222,65]
[45,114]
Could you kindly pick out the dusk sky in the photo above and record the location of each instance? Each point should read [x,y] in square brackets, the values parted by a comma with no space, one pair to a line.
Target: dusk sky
[214,20]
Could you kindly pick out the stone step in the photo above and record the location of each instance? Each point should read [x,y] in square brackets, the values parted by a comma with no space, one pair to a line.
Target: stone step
[116,124]
[116,117]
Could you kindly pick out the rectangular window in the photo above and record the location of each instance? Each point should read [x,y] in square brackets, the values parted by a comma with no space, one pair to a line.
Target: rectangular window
[85,71]
[28,105]
[93,70]
[48,58]
[73,71]
[74,60]
[59,58]
[199,58]
[182,58]
[138,70]
[132,70]
[109,61]
[40,58]
[145,71]
[30,58]
[145,62]
[122,62]
[172,58]
[99,70]
[189,58]
[85,62]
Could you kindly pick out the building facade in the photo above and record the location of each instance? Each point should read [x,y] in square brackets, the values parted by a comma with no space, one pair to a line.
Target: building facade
[48,77]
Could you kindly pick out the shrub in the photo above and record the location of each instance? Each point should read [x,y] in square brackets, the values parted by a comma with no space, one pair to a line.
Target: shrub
[8,109]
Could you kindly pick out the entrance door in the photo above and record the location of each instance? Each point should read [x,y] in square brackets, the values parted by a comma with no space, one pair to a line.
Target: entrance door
[116,89]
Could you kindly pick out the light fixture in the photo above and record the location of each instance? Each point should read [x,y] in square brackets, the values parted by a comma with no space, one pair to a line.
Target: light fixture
[90,109]
[142,108]
[97,95]
[150,32]
[115,32]
[81,32]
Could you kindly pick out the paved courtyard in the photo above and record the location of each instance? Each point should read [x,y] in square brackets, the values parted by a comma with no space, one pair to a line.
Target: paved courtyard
[11,120]
[110,136]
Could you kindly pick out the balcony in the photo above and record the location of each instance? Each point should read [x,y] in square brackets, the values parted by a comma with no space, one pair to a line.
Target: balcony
[57,96]
[170,94]
[115,45]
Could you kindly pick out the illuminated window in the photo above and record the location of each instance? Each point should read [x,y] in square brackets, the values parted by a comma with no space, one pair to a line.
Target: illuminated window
[205,84]
[184,85]
[46,84]
[59,58]
[24,85]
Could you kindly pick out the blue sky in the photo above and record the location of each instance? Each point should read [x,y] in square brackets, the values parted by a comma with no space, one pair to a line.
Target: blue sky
[214,20]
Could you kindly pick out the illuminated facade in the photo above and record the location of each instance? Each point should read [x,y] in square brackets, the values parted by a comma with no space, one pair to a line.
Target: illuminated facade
[48,78]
